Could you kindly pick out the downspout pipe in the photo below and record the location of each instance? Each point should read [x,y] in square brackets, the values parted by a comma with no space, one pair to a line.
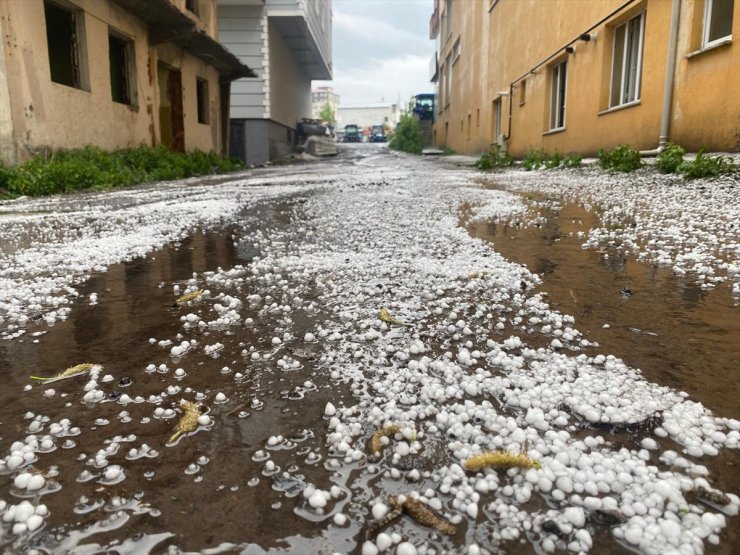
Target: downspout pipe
[670,76]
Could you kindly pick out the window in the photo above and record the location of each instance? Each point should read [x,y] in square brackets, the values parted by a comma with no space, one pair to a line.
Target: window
[64,39]
[717,21]
[122,70]
[627,62]
[522,91]
[201,90]
[496,117]
[477,117]
[192,6]
[470,118]
[558,79]
[456,50]
[448,81]
[442,88]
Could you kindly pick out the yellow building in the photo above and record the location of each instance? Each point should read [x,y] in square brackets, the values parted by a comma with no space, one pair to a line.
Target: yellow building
[114,74]
[578,75]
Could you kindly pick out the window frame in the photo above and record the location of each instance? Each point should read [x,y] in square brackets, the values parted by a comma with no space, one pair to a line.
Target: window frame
[193,6]
[448,81]
[78,45]
[129,73]
[706,27]
[496,115]
[624,70]
[202,101]
[558,95]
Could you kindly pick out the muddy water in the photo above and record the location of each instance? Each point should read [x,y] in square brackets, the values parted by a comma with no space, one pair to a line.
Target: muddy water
[677,333]
[231,488]
[232,495]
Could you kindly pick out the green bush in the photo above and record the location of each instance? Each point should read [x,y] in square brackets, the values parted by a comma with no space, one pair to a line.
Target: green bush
[494,159]
[553,161]
[707,166]
[572,160]
[534,159]
[93,168]
[408,135]
[621,158]
[670,158]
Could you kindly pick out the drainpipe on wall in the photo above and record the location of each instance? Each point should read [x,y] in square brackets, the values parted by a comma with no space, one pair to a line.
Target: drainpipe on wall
[670,76]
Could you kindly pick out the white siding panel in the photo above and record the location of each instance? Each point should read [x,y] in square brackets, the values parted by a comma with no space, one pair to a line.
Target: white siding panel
[248,86]
[240,37]
[248,112]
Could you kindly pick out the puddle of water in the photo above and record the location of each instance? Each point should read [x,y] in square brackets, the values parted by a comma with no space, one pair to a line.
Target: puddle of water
[134,304]
[677,333]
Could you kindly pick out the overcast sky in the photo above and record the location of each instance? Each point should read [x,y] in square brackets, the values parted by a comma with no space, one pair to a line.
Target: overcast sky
[381,49]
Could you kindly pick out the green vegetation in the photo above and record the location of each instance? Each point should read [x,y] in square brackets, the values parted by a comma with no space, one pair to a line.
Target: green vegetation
[572,160]
[621,158]
[494,159]
[535,159]
[327,114]
[707,166]
[93,168]
[408,135]
[670,158]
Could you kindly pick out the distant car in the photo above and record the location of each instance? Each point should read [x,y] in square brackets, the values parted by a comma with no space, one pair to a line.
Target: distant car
[378,134]
[352,134]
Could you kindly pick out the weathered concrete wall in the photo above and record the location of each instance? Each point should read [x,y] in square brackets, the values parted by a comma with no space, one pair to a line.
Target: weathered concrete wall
[200,136]
[506,40]
[46,115]
[7,144]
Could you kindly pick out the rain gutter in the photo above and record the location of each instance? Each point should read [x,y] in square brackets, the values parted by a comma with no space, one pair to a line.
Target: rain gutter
[670,76]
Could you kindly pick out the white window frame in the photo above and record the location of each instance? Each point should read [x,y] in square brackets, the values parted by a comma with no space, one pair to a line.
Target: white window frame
[448,83]
[558,95]
[497,111]
[706,27]
[625,73]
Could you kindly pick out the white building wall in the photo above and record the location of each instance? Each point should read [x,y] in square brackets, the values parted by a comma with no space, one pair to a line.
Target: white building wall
[286,43]
[367,116]
[243,30]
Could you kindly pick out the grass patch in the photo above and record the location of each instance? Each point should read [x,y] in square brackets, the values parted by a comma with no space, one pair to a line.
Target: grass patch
[707,166]
[621,158]
[93,168]
[536,159]
[670,158]
[494,159]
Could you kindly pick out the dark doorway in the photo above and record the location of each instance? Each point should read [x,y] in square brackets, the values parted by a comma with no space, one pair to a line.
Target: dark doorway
[171,122]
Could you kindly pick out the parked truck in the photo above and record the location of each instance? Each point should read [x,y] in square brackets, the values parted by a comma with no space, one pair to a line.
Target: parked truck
[377,135]
[352,134]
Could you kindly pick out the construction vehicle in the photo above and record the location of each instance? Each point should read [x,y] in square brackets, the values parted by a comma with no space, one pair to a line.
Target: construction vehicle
[423,106]
[352,134]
